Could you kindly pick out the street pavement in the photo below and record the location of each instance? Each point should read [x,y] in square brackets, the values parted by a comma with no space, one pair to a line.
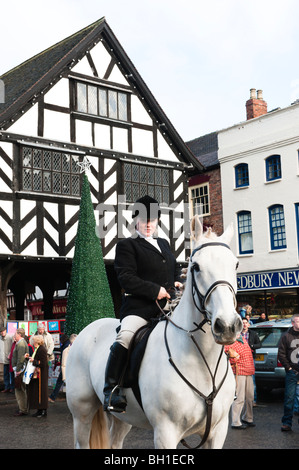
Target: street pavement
[56,431]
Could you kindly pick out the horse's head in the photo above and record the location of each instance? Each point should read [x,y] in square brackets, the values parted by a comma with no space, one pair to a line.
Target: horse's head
[212,269]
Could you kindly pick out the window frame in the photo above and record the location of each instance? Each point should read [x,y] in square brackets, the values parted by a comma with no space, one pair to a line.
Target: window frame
[273,168]
[140,180]
[297,222]
[207,203]
[50,171]
[274,237]
[242,167]
[241,250]
[107,104]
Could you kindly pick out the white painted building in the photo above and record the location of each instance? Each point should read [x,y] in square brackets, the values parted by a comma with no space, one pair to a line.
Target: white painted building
[260,193]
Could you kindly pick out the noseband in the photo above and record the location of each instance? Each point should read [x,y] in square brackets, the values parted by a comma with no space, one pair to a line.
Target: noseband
[204,298]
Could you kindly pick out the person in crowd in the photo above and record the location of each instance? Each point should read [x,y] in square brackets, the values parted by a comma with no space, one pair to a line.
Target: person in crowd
[64,343]
[38,386]
[251,337]
[48,340]
[65,355]
[6,341]
[18,359]
[242,363]
[30,347]
[254,342]
[146,271]
[242,312]
[11,371]
[288,356]
[296,402]
[262,318]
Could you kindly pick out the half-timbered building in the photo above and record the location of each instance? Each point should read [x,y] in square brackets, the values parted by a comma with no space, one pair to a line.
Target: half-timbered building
[81,100]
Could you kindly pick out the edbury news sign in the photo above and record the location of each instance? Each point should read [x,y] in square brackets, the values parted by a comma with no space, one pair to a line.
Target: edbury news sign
[268,280]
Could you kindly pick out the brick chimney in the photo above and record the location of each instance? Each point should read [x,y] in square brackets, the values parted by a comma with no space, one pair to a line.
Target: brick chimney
[255,106]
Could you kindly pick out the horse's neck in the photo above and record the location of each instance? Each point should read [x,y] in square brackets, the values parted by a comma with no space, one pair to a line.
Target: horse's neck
[188,352]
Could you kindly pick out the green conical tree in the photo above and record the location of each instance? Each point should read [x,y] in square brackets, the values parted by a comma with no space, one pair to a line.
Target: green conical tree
[89,294]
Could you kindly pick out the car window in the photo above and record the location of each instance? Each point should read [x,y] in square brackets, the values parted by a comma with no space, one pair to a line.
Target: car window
[270,337]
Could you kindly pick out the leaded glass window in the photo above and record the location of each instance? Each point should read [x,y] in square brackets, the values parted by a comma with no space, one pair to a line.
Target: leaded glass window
[47,171]
[142,180]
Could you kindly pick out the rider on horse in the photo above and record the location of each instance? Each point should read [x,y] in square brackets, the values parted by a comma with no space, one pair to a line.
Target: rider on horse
[146,270]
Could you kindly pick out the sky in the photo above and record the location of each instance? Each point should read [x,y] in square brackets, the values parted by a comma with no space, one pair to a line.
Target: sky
[199,58]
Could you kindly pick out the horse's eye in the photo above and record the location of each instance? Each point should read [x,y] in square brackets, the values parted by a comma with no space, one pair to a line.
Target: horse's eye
[195,267]
[237,265]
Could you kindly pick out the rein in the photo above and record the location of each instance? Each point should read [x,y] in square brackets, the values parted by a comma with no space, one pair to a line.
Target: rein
[208,399]
[202,309]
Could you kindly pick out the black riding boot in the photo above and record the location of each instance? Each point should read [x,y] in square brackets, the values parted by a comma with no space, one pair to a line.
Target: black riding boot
[113,401]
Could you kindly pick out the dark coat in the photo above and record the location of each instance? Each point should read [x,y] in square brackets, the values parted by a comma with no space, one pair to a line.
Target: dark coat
[253,340]
[287,349]
[141,270]
[38,388]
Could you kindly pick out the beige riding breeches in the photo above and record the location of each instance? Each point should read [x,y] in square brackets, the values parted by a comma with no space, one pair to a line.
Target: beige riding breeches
[129,326]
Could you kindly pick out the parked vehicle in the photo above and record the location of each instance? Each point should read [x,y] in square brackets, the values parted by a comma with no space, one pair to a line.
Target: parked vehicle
[269,373]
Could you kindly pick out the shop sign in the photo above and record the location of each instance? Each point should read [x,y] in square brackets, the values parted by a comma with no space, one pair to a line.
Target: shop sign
[268,280]
[59,307]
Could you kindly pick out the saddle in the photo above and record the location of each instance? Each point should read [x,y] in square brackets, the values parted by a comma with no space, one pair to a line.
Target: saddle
[129,378]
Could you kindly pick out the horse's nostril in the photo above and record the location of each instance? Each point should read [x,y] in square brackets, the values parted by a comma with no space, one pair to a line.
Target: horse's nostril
[218,326]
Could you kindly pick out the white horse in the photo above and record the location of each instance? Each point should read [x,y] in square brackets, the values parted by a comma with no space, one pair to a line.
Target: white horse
[186,383]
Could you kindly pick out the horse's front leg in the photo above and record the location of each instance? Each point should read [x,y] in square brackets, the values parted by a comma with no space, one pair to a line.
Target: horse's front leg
[166,435]
[217,436]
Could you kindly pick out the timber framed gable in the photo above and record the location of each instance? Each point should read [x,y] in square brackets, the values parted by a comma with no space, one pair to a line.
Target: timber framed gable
[80,98]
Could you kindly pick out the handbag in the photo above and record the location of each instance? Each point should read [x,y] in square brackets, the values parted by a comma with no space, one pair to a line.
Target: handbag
[28,374]
[18,381]
[36,373]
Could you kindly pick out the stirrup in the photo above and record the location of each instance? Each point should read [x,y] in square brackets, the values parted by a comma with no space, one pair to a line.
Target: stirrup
[115,409]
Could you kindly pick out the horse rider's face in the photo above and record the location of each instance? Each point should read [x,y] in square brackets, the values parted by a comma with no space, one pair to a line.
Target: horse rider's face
[146,227]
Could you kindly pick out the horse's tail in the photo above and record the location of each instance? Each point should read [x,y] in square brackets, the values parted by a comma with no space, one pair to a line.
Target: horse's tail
[99,434]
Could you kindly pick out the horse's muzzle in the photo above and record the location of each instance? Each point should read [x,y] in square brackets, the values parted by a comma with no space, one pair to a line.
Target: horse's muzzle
[227,333]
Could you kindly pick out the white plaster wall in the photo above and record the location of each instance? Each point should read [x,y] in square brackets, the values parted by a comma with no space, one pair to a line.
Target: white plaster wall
[27,124]
[59,94]
[252,142]
[56,125]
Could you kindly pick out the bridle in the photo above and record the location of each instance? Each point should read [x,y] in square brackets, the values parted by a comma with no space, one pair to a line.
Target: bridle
[201,306]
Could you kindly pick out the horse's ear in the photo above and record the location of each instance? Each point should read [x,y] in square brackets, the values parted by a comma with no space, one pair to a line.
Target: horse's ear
[228,233]
[196,228]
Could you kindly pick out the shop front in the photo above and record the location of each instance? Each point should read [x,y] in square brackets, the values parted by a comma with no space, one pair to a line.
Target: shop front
[275,293]
[37,308]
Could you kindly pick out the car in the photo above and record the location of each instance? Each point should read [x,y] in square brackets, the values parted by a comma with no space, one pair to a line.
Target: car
[269,373]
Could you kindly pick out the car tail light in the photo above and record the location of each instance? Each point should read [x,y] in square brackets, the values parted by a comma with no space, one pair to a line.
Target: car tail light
[279,364]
